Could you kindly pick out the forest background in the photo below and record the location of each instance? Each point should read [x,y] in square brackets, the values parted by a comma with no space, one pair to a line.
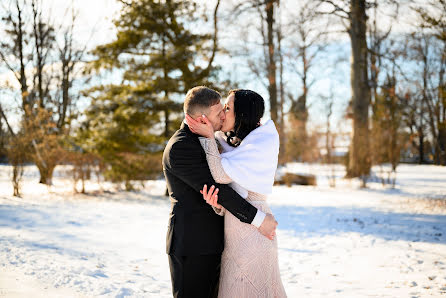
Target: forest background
[99,86]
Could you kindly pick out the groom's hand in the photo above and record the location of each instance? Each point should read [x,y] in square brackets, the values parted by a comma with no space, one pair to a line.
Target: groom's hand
[268,226]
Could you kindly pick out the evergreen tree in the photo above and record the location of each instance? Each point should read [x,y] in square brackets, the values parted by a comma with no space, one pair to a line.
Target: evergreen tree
[160,58]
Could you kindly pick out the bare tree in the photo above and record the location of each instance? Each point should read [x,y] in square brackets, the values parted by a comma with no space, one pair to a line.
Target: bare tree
[387,97]
[307,41]
[266,12]
[330,136]
[378,48]
[425,110]
[431,48]
[353,15]
[27,50]
[280,55]
[387,127]
[414,115]
[43,37]
[70,56]
[16,48]
[272,87]
[16,151]
[15,54]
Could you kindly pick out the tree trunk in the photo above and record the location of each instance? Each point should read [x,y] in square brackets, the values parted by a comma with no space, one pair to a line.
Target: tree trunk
[20,44]
[65,95]
[359,163]
[442,142]
[38,44]
[17,173]
[328,136]
[282,152]
[421,148]
[166,123]
[166,92]
[441,121]
[272,86]
[46,173]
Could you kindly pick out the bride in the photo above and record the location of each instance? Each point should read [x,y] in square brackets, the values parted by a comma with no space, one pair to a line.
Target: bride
[243,154]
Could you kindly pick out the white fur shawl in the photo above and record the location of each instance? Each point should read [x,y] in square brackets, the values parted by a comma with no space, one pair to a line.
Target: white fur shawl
[252,165]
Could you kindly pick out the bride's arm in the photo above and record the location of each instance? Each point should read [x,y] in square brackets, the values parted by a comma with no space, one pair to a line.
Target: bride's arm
[214,161]
[209,144]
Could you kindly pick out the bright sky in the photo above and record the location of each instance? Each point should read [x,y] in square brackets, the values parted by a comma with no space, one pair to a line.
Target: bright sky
[94,23]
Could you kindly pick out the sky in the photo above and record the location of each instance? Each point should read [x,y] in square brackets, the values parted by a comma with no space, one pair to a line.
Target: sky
[94,23]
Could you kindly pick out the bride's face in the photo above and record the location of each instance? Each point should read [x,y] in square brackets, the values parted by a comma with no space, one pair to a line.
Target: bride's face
[229,122]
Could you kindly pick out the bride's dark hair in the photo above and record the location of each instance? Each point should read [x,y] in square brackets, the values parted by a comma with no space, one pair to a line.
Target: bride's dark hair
[249,107]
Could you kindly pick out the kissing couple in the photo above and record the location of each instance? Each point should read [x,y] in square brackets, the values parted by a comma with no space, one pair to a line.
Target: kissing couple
[220,167]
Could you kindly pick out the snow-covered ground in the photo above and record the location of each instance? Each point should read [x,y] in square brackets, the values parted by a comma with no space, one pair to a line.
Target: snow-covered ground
[333,242]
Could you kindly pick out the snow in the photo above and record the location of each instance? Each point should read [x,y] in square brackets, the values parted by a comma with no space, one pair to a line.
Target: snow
[333,242]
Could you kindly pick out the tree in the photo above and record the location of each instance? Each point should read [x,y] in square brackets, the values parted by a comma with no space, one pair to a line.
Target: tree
[271,66]
[354,17]
[160,58]
[17,156]
[387,99]
[306,43]
[265,67]
[16,152]
[426,107]
[3,140]
[282,135]
[379,47]
[330,137]
[264,54]
[121,132]
[414,115]
[69,55]
[28,52]
[387,126]
[432,54]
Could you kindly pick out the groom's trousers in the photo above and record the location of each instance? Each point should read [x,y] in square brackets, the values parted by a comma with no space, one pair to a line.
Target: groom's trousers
[195,276]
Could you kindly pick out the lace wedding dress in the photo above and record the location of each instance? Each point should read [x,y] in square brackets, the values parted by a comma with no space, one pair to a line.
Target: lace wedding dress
[249,264]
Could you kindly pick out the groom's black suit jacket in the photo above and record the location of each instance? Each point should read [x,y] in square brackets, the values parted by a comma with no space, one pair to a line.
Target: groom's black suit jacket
[194,228]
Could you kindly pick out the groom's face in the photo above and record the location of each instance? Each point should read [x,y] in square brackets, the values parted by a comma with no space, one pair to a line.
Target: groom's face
[216,116]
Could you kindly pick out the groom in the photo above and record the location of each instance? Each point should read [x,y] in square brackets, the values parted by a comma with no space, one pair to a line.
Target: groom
[195,236]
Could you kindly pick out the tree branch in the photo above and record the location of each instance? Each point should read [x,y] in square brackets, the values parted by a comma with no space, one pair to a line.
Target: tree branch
[215,40]
[2,113]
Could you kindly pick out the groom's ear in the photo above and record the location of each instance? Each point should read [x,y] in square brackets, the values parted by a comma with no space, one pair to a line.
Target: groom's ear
[194,117]
[201,120]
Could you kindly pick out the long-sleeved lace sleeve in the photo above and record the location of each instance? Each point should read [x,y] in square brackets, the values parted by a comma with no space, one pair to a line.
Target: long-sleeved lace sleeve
[214,161]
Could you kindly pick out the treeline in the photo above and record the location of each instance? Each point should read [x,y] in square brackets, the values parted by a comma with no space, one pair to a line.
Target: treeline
[42,61]
[163,48]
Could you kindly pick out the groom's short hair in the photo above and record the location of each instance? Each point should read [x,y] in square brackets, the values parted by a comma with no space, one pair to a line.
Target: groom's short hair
[199,99]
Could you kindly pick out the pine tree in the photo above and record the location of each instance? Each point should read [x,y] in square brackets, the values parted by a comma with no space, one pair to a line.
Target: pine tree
[160,58]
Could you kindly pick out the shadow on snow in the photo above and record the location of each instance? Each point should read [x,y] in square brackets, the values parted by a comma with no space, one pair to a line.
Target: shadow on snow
[326,220]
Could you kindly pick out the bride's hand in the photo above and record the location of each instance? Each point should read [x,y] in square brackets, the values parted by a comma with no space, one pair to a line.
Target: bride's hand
[204,129]
[211,197]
